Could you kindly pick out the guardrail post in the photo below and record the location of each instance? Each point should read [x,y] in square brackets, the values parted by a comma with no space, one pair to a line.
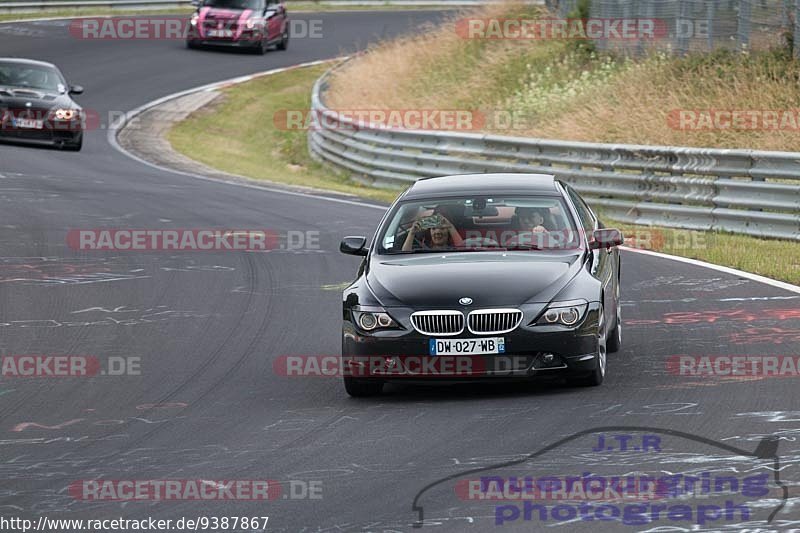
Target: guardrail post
[795,13]
[646,11]
[710,14]
[743,25]
[682,40]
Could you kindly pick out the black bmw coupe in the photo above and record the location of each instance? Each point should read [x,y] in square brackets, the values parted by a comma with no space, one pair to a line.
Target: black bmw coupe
[36,105]
[476,277]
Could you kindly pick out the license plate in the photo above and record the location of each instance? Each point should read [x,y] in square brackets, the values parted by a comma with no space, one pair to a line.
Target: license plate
[29,123]
[220,33]
[486,346]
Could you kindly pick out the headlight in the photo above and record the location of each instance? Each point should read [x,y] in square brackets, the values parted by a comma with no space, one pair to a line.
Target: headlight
[194,19]
[66,114]
[250,24]
[563,313]
[373,319]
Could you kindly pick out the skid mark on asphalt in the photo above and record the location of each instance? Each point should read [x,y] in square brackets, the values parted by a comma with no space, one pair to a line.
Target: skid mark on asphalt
[633,303]
[145,316]
[719,315]
[59,271]
[690,284]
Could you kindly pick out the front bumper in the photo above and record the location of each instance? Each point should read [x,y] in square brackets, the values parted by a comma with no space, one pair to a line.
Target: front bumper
[530,352]
[51,136]
[247,39]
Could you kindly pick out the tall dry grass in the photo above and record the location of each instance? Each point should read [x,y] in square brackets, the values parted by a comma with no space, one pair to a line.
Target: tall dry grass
[635,106]
[438,68]
[558,93]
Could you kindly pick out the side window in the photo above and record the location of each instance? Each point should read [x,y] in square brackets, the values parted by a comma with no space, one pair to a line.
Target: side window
[588,219]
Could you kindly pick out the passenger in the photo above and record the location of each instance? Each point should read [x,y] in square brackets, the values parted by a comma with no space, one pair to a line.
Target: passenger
[432,232]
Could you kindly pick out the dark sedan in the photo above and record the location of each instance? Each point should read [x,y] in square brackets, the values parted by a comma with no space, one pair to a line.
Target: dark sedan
[36,106]
[249,24]
[477,277]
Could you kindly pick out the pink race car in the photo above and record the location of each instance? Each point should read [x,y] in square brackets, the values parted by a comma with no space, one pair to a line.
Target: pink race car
[250,24]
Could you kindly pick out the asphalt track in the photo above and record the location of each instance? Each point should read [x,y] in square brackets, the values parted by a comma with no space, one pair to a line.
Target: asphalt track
[208,326]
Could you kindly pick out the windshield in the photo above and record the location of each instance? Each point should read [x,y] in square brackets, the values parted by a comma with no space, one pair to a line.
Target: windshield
[30,77]
[235,4]
[474,224]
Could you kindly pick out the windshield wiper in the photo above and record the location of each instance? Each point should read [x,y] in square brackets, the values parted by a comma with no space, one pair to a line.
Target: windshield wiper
[469,249]
[525,247]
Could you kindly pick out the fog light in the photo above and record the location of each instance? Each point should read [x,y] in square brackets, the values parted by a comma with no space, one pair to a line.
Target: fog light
[545,361]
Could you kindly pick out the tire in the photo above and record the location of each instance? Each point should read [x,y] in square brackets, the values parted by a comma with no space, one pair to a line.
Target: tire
[362,388]
[615,335]
[262,47]
[73,147]
[191,45]
[284,42]
[598,375]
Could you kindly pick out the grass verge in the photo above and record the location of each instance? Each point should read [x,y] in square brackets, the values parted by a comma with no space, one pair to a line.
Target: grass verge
[238,135]
[774,259]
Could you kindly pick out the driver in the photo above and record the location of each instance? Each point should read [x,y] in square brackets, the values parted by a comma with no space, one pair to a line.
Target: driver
[531,219]
[432,232]
[35,78]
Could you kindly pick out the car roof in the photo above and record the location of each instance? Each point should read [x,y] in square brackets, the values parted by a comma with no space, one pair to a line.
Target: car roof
[31,62]
[483,184]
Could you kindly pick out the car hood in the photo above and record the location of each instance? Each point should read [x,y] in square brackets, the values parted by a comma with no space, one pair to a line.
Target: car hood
[19,98]
[224,14]
[490,279]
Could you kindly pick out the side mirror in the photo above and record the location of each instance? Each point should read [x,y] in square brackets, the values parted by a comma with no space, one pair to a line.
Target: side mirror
[354,246]
[76,89]
[606,238]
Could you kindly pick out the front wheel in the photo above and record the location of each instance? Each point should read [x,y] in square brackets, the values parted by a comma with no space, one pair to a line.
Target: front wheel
[615,336]
[262,46]
[284,42]
[361,388]
[599,373]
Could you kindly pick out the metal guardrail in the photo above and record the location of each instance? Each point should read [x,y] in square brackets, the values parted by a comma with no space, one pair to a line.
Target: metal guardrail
[742,191]
[23,7]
